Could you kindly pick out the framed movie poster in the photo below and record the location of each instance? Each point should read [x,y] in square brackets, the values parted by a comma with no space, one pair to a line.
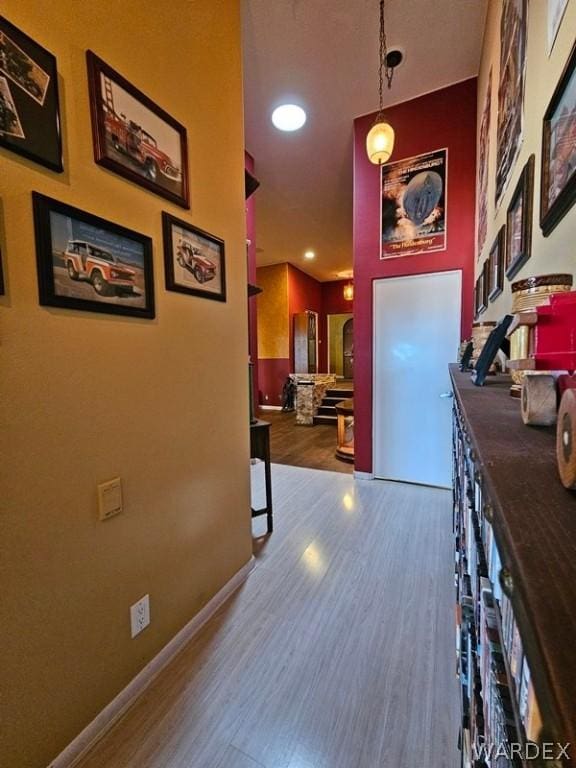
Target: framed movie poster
[413,214]
[496,265]
[87,263]
[510,90]
[194,260]
[519,221]
[483,158]
[134,137]
[558,178]
[29,109]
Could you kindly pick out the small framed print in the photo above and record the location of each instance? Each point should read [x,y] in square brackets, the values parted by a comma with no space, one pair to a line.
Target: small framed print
[496,265]
[558,178]
[519,221]
[29,109]
[194,260]
[480,299]
[134,137]
[87,263]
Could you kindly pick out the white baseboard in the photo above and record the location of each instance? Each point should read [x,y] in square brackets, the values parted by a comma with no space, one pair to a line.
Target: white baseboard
[118,706]
[270,407]
[363,475]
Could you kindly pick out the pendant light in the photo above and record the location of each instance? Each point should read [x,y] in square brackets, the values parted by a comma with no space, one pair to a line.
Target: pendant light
[348,291]
[380,139]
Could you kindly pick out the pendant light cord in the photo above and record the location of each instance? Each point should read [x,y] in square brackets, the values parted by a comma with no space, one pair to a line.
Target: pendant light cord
[383,69]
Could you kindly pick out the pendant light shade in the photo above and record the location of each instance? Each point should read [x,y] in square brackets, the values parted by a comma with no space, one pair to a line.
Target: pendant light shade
[380,138]
[380,142]
[348,292]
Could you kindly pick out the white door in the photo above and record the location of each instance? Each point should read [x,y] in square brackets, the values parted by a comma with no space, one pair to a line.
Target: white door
[416,335]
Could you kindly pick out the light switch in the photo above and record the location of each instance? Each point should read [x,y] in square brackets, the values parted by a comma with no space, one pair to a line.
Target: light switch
[110,498]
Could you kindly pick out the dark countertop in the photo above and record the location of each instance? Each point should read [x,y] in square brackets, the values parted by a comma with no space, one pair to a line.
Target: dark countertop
[535,528]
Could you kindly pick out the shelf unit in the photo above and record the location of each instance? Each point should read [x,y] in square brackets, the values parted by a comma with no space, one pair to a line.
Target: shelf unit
[515,575]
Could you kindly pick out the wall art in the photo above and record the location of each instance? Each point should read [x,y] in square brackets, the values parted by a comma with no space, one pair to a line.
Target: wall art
[496,262]
[558,177]
[556,9]
[483,159]
[194,260]
[510,90]
[87,263]
[29,109]
[414,193]
[134,137]
[519,221]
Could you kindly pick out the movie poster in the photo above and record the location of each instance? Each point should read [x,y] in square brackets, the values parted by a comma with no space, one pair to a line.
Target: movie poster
[510,90]
[414,205]
[483,159]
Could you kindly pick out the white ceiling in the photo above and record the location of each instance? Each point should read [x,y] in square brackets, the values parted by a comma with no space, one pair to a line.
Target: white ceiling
[323,55]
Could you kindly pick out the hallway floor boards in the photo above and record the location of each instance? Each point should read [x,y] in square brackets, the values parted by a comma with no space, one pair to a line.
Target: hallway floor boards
[338,651]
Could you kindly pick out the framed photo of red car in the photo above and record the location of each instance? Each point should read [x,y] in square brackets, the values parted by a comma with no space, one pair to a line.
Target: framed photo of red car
[194,260]
[558,177]
[134,137]
[29,109]
[88,263]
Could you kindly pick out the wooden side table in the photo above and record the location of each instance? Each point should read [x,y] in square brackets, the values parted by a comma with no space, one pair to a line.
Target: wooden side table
[260,449]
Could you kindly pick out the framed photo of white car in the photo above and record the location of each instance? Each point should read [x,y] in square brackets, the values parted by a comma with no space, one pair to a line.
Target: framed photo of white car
[194,260]
[90,264]
[134,137]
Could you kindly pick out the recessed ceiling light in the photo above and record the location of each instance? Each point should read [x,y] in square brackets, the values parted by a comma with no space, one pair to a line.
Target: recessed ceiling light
[309,255]
[288,117]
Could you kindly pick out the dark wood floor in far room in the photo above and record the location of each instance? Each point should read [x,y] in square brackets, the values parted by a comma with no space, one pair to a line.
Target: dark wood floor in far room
[303,446]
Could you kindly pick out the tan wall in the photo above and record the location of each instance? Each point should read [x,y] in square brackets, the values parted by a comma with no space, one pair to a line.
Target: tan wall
[554,253]
[273,327]
[336,325]
[86,397]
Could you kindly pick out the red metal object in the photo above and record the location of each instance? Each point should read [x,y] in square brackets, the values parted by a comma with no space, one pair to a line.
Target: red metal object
[553,338]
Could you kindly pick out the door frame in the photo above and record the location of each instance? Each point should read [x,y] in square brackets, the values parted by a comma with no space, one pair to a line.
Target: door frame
[460,274]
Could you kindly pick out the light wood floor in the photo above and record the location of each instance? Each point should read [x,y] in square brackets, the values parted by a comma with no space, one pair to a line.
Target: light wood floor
[338,652]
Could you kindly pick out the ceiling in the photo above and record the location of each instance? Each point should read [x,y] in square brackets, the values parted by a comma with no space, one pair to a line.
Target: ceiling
[323,55]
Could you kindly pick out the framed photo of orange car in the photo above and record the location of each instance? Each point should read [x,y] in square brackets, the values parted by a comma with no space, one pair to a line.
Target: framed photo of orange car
[91,264]
[194,260]
[134,137]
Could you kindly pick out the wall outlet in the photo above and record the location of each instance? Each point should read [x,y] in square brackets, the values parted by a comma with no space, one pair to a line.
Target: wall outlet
[140,615]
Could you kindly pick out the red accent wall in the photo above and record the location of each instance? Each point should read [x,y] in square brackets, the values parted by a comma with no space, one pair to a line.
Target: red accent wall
[251,250]
[304,293]
[272,374]
[333,303]
[444,118]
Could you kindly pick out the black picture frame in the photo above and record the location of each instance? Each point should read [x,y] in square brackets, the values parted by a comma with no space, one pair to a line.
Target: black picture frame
[29,102]
[133,137]
[519,221]
[496,264]
[90,264]
[194,260]
[558,177]
[480,292]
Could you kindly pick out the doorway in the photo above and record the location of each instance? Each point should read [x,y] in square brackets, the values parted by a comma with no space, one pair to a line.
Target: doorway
[416,335]
[340,345]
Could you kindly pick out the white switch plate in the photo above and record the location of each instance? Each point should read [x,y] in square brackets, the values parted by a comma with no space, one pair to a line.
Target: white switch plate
[110,498]
[140,615]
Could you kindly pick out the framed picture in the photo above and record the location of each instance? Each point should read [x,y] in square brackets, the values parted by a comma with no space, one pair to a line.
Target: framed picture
[29,110]
[480,300]
[135,138]
[87,263]
[558,178]
[194,260]
[496,265]
[519,221]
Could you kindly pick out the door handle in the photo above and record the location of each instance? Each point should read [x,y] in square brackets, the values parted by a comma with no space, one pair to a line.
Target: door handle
[447,394]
